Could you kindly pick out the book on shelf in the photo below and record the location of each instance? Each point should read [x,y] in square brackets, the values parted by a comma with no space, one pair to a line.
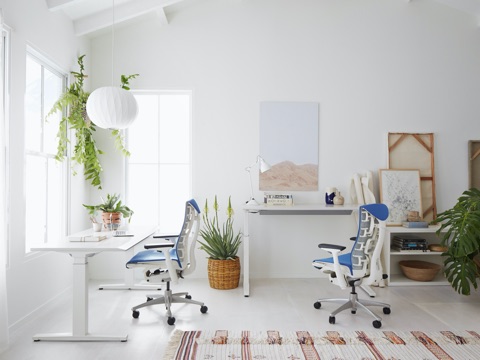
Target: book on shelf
[415,224]
[410,251]
[278,199]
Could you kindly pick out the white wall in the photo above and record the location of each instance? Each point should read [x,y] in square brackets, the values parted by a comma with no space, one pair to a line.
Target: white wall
[374,66]
[33,280]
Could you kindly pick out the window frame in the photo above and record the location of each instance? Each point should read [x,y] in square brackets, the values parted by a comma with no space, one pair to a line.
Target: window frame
[160,92]
[48,64]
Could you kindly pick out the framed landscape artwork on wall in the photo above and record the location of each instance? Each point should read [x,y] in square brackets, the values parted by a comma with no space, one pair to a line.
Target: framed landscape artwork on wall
[400,190]
[289,143]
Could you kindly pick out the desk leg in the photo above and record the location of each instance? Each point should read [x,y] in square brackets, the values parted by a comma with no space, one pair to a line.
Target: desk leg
[79,308]
[246,256]
[129,278]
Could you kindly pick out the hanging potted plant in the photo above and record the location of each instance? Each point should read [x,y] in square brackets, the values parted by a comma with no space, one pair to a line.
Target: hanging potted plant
[85,151]
[221,244]
[112,211]
[460,232]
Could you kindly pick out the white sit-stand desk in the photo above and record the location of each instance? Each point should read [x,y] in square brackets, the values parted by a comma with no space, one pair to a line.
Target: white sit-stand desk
[301,209]
[80,252]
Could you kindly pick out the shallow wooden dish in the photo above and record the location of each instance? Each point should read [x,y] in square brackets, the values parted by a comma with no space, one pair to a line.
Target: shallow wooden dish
[419,270]
[437,247]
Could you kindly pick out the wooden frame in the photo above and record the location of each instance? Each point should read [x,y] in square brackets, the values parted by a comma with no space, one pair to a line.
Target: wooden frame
[474,164]
[416,151]
[401,191]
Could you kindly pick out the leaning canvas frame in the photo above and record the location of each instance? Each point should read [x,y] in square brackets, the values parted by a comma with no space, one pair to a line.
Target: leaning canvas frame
[400,190]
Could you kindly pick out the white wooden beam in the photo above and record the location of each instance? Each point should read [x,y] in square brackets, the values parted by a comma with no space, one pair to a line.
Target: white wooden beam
[162,17]
[123,12]
[54,5]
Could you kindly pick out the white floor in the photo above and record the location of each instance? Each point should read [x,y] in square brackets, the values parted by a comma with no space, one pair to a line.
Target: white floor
[279,304]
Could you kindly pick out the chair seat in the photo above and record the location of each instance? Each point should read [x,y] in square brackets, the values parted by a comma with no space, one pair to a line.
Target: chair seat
[152,256]
[344,260]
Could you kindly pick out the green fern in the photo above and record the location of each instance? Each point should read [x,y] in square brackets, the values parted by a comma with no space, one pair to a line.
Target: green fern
[85,151]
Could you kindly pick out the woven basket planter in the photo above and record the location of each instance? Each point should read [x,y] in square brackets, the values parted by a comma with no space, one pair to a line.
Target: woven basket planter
[224,274]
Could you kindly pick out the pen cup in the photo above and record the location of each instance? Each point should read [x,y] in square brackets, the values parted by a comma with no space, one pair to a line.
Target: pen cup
[97,227]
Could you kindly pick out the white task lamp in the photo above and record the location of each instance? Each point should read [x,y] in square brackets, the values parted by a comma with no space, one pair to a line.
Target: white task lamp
[263,166]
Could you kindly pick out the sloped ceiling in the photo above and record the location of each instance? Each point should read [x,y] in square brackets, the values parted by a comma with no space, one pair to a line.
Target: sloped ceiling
[91,16]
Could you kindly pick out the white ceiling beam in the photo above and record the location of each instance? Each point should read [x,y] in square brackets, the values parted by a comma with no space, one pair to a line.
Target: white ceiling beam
[54,5]
[123,12]
[162,17]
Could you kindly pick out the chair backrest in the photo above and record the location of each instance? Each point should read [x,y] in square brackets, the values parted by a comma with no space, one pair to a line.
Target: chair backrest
[370,238]
[186,240]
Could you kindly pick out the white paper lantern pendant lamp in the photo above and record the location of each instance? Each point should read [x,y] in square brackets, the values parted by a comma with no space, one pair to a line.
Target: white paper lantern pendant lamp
[112,107]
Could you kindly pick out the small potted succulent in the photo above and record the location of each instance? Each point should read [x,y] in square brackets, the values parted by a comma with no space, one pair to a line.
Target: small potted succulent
[221,243]
[112,211]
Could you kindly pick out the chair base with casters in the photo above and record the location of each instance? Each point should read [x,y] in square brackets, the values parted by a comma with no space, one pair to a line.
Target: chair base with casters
[169,298]
[354,303]
[168,261]
[359,266]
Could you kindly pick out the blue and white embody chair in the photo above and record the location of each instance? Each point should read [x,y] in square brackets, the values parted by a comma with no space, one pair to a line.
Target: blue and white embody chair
[170,260]
[350,269]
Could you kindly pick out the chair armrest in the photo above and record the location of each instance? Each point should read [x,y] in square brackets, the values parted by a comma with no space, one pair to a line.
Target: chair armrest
[164,245]
[330,247]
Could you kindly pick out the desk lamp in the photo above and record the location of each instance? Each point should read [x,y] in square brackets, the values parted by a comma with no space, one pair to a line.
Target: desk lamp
[263,166]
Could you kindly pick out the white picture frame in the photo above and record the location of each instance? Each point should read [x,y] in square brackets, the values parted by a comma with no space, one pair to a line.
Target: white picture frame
[401,191]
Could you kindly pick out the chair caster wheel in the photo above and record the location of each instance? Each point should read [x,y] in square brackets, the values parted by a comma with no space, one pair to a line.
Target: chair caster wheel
[317,305]
[203,309]
[135,314]
[188,297]
[386,310]
[331,319]
[171,320]
[377,324]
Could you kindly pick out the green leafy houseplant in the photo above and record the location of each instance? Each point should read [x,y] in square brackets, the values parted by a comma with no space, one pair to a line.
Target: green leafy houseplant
[220,242]
[460,232]
[112,204]
[85,151]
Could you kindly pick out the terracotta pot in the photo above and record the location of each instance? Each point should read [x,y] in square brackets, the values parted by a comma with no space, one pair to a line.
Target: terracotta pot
[111,221]
[224,274]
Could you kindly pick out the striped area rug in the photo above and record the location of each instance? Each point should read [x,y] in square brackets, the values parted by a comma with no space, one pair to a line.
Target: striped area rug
[329,345]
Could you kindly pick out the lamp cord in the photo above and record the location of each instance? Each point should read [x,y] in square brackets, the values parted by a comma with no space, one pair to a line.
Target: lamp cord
[113,38]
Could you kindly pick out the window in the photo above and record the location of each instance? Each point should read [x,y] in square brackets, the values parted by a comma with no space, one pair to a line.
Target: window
[159,167]
[44,190]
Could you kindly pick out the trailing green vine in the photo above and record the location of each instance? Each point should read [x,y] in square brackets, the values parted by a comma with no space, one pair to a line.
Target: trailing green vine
[85,151]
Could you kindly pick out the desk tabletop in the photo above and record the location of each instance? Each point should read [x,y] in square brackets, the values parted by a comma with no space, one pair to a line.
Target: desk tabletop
[301,209]
[109,244]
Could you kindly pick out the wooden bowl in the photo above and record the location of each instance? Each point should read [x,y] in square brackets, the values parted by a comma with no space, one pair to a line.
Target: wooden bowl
[419,270]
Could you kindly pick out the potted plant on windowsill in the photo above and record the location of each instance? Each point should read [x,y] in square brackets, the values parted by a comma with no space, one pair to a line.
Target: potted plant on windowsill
[460,232]
[112,211]
[221,243]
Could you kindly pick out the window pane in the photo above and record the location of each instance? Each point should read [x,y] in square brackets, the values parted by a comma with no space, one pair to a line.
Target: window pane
[174,128]
[53,85]
[33,105]
[55,209]
[143,194]
[35,188]
[174,191]
[143,134]
[159,186]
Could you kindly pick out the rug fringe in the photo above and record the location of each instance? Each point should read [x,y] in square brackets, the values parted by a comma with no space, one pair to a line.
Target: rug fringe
[172,346]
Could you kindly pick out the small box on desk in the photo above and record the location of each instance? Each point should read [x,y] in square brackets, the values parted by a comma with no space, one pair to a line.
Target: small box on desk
[278,199]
